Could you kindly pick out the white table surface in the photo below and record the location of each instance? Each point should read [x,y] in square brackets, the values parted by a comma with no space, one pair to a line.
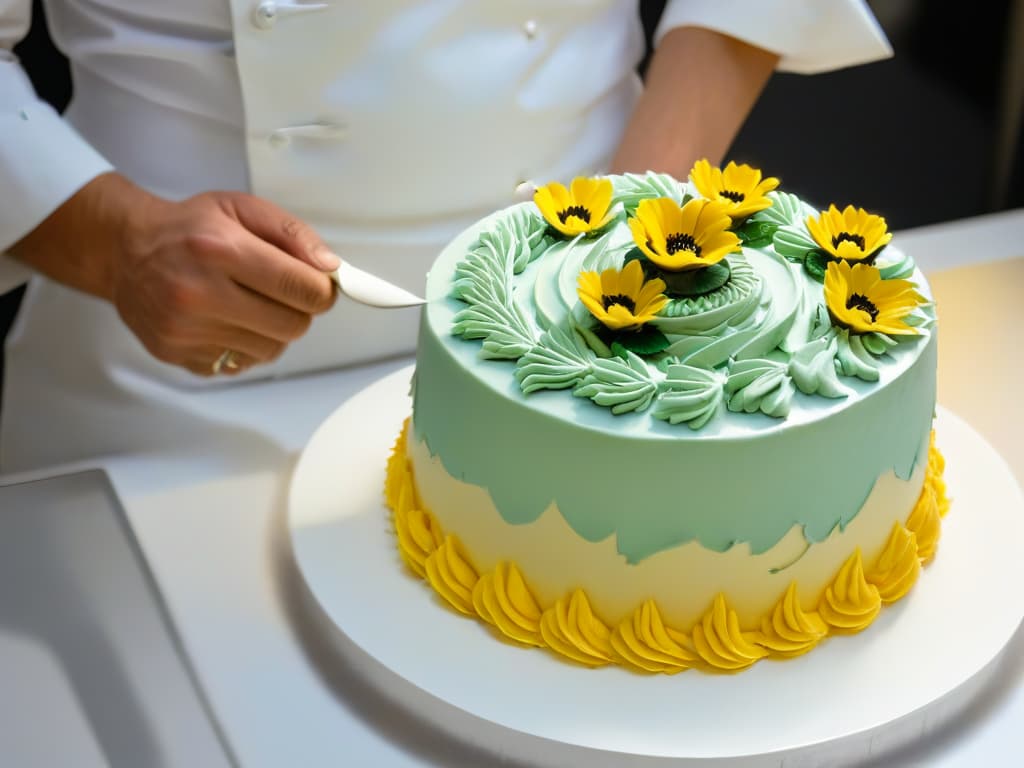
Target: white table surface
[214,536]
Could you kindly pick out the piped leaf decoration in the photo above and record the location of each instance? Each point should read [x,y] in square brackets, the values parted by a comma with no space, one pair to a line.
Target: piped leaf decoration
[689,395]
[786,210]
[622,385]
[878,343]
[560,360]
[894,263]
[757,234]
[697,282]
[821,325]
[813,368]
[647,341]
[522,233]
[483,280]
[816,263]
[631,188]
[793,243]
[759,385]
[852,359]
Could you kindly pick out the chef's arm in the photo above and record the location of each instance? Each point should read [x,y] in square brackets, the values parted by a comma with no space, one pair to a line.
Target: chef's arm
[43,161]
[192,278]
[713,57]
[700,86]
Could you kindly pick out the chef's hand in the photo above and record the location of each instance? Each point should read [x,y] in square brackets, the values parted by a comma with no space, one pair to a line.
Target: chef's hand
[192,279]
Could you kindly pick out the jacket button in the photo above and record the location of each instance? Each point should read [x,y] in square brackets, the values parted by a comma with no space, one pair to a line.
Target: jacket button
[264,15]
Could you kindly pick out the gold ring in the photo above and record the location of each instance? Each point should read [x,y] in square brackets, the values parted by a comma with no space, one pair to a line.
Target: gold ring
[226,361]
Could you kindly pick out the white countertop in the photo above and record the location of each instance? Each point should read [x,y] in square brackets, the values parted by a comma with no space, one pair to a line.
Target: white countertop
[214,536]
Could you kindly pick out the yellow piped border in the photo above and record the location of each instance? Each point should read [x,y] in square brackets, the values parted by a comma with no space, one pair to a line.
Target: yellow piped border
[643,642]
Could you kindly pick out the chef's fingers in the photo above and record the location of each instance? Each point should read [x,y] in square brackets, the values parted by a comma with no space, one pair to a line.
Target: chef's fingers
[217,361]
[227,350]
[289,233]
[265,269]
[244,308]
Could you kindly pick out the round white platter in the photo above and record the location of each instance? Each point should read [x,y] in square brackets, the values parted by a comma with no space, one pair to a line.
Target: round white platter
[850,699]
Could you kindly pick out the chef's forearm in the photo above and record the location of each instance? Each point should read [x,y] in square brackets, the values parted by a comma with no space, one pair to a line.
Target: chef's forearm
[78,244]
[700,87]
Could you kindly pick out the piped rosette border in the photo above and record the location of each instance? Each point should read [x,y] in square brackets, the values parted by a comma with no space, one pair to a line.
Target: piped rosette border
[643,642]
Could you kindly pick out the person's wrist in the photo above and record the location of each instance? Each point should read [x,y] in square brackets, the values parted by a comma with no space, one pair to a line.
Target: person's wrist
[131,218]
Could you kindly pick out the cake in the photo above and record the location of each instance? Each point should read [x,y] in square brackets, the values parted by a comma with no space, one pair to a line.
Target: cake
[671,425]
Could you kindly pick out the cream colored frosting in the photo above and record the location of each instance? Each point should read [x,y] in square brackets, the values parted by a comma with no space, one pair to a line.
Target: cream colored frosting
[643,640]
[683,580]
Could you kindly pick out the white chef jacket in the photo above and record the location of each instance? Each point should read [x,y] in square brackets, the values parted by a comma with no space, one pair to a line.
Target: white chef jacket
[388,126]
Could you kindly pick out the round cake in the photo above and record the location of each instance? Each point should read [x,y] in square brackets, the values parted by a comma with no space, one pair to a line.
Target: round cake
[671,425]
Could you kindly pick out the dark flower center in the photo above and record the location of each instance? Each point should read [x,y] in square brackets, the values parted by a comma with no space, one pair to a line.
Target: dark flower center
[574,210]
[619,298]
[856,239]
[736,197]
[857,301]
[681,242]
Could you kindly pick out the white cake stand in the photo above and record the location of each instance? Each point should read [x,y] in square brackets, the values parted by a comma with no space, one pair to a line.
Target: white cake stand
[852,698]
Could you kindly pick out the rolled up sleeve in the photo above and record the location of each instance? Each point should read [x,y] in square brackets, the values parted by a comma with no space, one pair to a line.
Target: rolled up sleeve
[43,160]
[809,35]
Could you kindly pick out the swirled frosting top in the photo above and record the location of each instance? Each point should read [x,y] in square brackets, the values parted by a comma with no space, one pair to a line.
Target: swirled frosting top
[623,330]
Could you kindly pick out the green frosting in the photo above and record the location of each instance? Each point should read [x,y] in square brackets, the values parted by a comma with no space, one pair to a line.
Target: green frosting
[775,398]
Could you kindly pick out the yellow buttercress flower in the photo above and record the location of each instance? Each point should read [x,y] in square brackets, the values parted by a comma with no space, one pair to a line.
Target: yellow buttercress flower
[740,187]
[859,299]
[852,235]
[677,238]
[584,207]
[621,299]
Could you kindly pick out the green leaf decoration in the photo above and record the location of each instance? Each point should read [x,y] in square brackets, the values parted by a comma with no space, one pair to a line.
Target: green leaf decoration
[522,231]
[757,234]
[786,210]
[635,254]
[893,263]
[631,188]
[741,290]
[689,396]
[483,280]
[622,385]
[793,243]
[815,264]
[877,343]
[813,368]
[559,360]
[822,323]
[759,385]
[693,282]
[852,359]
[646,341]
[922,317]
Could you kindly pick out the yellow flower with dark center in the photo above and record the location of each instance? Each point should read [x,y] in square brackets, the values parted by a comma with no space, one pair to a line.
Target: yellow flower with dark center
[852,235]
[581,208]
[683,238]
[621,299]
[739,187]
[859,299]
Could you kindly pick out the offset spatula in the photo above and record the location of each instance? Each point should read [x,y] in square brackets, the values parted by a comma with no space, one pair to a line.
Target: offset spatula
[371,290]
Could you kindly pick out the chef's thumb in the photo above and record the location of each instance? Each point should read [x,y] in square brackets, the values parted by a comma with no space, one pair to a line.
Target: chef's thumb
[289,233]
